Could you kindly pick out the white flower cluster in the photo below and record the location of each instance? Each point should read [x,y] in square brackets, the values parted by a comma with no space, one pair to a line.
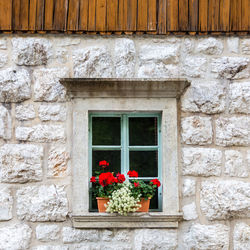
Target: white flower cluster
[122,201]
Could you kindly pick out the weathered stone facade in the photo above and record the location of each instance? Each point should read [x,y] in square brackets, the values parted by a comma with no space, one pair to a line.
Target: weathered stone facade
[35,162]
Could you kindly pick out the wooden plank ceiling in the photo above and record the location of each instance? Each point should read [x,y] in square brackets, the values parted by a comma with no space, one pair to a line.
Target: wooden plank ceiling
[126,16]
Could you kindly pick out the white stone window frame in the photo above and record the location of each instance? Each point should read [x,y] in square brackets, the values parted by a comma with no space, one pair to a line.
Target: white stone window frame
[124,95]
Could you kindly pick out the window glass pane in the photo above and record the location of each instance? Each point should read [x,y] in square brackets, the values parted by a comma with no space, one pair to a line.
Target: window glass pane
[111,156]
[144,162]
[106,131]
[143,131]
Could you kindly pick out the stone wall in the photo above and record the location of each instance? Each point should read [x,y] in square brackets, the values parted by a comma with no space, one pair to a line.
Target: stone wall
[35,170]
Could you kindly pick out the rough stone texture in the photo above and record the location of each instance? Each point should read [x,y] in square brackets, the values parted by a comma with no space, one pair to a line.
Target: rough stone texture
[25,112]
[3,43]
[6,203]
[241,236]
[15,237]
[229,67]
[31,51]
[20,163]
[207,98]
[67,41]
[71,235]
[107,235]
[42,203]
[189,212]
[201,161]
[52,112]
[239,96]
[207,237]
[210,46]
[41,133]
[155,239]
[197,130]
[124,58]
[47,232]
[14,85]
[245,46]
[47,86]
[225,199]
[3,59]
[51,247]
[57,162]
[187,46]
[62,55]
[233,44]
[234,165]
[5,123]
[188,187]
[194,66]
[233,131]
[94,61]
[122,235]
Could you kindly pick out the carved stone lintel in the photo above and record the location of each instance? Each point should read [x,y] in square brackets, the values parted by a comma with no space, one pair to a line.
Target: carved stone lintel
[124,88]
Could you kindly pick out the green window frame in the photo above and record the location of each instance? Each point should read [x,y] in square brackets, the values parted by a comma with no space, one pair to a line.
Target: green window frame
[125,148]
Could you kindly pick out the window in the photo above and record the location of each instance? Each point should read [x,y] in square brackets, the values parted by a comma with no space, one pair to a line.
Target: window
[128,141]
[126,99]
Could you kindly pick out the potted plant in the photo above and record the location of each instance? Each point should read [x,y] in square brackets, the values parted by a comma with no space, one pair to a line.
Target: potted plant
[115,194]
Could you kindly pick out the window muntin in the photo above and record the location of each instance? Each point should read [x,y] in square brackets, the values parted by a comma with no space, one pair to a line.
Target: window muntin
[137,148]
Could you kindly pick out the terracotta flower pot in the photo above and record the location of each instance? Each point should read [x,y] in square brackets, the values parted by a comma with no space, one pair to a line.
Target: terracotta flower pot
[144,205]
[100,204]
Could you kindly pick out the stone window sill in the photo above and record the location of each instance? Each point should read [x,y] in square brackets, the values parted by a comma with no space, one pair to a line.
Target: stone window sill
[137,220]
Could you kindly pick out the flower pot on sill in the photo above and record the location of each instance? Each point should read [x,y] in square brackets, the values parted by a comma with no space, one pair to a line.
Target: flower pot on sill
[101,201]
[144,205]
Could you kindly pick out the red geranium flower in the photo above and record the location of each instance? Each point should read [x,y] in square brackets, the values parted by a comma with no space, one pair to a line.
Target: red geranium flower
[103,164]
[120,178]
[106,179]
[132,174]
[93,179]
[136,184]
[155,182]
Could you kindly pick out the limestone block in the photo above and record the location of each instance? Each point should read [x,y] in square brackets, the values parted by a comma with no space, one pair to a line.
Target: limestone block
[188,187]
[6,203]
[5,123]
[197,130]
[122,235]
[188,46]
[241,236]
[3,59]
[107,235]
[14,85]
[20,163]
[225,199]
[124,58]
[15,237]
[31,51]
[3,43]
[210,46]
[207,237]
[194,66]
[239,96]
[233,44]
[245,46]
[50,247]
[62,55]
[201,161]
[42,203]
[159,53]
[52,112]
[47,86]
[234,165]
[229,67]
[207,98]
[115,246]
[72,235]
[158,70]
[189,212]
[57,162]
[41,133]
[159,239]
[25,112]
[93,62]
[67,41]
[233,131]
[47,232]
